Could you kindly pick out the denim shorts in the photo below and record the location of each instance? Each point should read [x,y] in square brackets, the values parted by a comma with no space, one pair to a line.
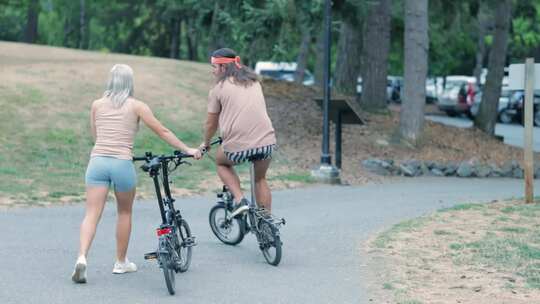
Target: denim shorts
[260,153]
[104,170]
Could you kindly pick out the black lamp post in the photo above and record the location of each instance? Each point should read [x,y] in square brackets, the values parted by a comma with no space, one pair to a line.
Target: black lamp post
[325,156]
[326,172]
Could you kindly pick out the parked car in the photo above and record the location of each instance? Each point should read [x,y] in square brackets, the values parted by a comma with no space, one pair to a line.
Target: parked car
[282,71]
[457,96]
[519,96]
[510,108]
[507,107]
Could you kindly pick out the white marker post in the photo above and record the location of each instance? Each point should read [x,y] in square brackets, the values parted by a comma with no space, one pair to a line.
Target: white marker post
[523,77]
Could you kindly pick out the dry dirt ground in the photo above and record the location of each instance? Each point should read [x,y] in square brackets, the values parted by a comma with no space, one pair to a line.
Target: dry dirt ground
[478,254]
[298,123]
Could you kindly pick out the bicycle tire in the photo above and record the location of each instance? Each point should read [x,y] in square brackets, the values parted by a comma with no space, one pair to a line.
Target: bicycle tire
[270,243]
[168,273]
[221,227]
[184,252]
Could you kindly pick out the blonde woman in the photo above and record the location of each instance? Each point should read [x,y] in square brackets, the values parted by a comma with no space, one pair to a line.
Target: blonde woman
[114,121]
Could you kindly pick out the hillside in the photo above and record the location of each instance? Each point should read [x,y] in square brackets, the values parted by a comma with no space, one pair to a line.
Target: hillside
[46,92]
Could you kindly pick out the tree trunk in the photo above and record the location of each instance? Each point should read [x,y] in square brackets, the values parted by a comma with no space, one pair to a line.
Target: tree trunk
[375,56]
[216,32]
[301,60]
[32,18]
[83,24]
[191,39]
[487,115]
[416,57]
[481,23]
[176,30]
[348,58]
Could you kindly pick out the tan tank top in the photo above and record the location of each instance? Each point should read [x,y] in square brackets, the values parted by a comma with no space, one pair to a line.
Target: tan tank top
[115,128]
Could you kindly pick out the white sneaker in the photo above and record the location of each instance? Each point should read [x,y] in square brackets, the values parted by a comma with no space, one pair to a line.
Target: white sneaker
[124,267]
[79,273]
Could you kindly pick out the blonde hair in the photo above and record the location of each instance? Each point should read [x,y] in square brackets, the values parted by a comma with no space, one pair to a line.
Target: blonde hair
[120,84]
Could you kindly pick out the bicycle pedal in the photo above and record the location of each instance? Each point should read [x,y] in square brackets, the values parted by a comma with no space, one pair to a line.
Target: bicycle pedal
[150,256]
[190,242]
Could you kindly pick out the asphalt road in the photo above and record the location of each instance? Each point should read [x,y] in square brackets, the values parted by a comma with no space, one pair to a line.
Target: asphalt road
[512,133]
[322,260]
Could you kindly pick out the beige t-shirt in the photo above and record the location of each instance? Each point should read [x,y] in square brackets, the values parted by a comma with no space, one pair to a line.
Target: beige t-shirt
[115,128]
[243,121]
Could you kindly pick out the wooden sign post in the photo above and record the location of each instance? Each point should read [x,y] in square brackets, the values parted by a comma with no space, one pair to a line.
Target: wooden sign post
[528,126]
[522,77]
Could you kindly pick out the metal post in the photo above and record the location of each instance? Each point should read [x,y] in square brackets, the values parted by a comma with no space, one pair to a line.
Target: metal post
[325,157]
[338,139]
[253,202]
[326,173]
[528,127]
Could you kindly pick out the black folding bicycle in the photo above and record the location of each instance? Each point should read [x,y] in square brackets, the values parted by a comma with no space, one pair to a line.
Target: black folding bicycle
[231,230]
[175,240]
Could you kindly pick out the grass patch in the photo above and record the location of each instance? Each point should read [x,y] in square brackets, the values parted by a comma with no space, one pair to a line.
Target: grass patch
[463,207]
[514,229]
[441,232]
[388,286]
[478,239]
[388,236]
[456,246]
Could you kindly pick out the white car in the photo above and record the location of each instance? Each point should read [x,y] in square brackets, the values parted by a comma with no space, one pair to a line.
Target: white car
[282,71]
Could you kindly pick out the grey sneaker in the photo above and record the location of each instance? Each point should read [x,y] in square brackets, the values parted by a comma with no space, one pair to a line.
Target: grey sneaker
[240,208]
[79,273]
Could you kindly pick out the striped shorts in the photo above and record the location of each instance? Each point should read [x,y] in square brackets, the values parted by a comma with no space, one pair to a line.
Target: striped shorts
[260,153]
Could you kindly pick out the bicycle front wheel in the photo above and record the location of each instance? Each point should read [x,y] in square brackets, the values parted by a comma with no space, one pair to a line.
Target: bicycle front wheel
[227,230]
[270,244]
[184,248]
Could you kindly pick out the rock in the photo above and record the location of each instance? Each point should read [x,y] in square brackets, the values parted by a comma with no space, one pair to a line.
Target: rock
[377,166]
[507,169]
[437,172]
[430,164]
[517,173]
[407,170]
[451,169]
[483,171]
[424,169]
[465,170]
[440,166]
[495,171]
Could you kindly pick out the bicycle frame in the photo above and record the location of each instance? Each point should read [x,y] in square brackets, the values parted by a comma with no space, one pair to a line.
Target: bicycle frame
[168,200]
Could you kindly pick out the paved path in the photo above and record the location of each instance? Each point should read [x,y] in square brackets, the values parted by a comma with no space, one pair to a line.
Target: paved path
[322,262]
[512,133]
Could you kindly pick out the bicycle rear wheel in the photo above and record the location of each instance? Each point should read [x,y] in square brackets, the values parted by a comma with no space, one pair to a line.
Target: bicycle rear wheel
[270,244]
[168,273]
[184,246]
[228,230]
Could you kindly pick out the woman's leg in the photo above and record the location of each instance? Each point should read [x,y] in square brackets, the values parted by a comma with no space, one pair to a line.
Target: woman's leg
[124,204]
[262,190]
[96,197]
[227,174]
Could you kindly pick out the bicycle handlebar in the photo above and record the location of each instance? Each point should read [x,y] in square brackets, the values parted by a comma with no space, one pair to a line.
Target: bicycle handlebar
[177,154]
